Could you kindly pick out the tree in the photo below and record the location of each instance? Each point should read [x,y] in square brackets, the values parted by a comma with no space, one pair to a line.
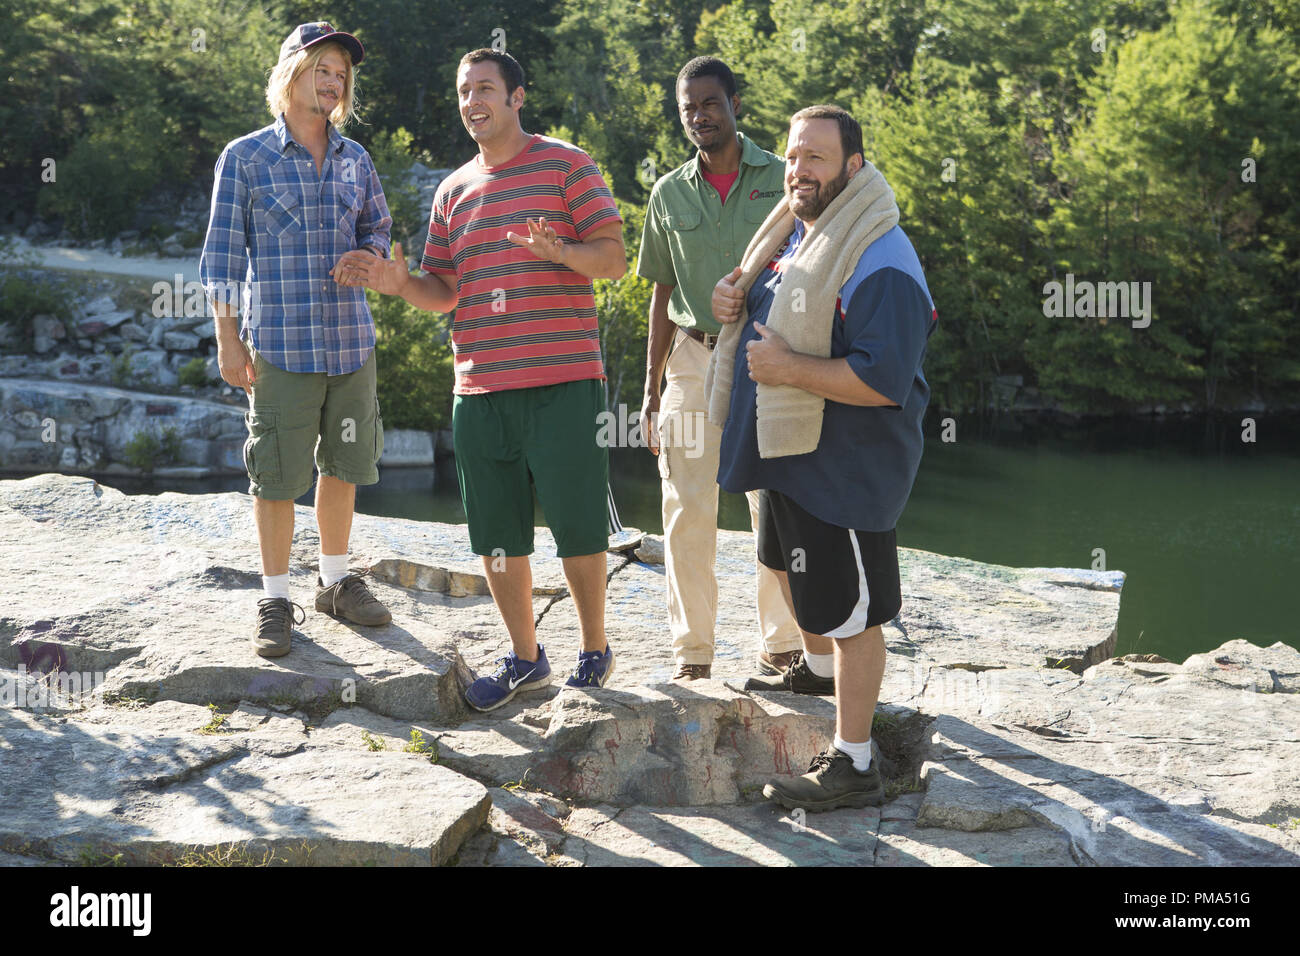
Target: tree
[1156,193]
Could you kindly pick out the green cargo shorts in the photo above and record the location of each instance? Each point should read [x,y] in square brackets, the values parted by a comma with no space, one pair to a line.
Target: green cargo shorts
[293,415]
[508,442]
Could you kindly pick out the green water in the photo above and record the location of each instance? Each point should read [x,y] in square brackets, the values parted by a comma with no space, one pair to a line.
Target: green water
[1207,528]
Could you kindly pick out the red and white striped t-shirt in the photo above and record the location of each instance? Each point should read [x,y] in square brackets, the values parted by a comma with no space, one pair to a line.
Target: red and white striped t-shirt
[520,321]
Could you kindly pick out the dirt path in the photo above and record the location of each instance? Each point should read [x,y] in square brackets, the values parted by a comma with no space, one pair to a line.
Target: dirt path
[75,259]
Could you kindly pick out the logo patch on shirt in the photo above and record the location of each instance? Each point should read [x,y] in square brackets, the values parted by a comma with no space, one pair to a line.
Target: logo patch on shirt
[757,194]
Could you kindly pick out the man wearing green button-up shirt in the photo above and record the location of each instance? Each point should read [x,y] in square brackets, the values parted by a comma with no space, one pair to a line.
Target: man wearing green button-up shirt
[700,218]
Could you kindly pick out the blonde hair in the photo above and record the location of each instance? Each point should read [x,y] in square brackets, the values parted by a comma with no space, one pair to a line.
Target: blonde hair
[284,73]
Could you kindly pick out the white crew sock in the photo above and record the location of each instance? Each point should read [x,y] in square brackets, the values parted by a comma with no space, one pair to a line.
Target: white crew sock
[823,665]
[861,753]
[276,585]
[333,567]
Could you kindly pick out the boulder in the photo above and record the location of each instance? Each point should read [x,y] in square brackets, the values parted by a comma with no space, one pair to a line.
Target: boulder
[407,447]
[46,330]
[83,790]
[149,367]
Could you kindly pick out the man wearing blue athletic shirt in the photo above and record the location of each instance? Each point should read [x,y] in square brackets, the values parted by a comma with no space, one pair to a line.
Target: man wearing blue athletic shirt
[823,399]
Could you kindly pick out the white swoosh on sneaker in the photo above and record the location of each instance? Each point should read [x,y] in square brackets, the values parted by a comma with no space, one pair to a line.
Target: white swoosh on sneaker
[519,680]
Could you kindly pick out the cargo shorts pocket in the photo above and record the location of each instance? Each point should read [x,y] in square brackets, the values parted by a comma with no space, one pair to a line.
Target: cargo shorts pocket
[664,471]
[379,433]
[262,448]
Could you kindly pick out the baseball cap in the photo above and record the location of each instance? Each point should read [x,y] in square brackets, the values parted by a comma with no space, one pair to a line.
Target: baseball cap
[309,34]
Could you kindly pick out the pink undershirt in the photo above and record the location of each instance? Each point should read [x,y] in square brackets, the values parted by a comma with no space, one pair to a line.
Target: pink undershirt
[722,184]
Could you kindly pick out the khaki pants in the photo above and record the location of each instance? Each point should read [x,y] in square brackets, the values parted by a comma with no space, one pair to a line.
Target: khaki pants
[688,467]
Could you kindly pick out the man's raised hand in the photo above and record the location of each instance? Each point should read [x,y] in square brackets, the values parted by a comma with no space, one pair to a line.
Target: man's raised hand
[770,357]
[542,241]
[386,276]
[727,299]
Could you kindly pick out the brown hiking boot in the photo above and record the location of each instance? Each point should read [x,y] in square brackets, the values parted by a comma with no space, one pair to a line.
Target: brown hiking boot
[275,621]
[831,782]
[693,672]
[798,677]
[777,664]
[349,597]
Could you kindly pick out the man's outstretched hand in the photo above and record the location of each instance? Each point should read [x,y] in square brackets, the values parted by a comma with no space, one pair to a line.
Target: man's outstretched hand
[386,276]
[542,241]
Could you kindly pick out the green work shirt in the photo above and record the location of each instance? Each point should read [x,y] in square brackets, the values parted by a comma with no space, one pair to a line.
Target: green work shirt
[692,239]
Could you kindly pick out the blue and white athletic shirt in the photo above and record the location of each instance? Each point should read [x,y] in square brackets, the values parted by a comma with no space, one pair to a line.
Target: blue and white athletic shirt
[862,470]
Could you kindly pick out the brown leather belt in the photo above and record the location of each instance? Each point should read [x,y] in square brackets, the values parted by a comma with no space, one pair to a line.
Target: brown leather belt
[705,339]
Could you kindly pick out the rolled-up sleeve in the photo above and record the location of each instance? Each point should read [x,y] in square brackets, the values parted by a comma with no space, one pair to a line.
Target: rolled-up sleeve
[655,260]
[223,264]
[374,223]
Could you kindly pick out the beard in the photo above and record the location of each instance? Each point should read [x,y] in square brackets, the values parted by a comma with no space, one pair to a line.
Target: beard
[813,206]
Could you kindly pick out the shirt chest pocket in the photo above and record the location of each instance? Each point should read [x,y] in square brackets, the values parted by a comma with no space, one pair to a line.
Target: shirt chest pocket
[756,209]
[680,222]
[277,211]
[349,208]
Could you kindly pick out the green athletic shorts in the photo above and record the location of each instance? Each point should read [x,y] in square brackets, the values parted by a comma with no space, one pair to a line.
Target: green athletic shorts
[510,441]
[295,416]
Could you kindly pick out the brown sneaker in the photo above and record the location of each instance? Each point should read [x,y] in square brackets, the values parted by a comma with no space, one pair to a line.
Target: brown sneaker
[693,672]
[798,678]
[777,664]
[831,782]
[275,621]
[349,597]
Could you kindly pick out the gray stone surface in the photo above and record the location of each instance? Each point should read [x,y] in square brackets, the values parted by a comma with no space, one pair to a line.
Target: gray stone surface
[170,558]
[77,791]
[990,757]
[100,422]
[174,341]
[96,423]
[100,305]
[1135,769]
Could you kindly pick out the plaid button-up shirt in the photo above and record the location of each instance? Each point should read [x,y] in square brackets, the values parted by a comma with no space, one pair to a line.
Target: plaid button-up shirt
[276,230]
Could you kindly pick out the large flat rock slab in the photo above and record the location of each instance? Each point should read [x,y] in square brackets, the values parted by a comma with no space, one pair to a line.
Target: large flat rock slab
[756,835]
[169,601]
[956,614]
[79,791]
[1134,767]
[1006,734]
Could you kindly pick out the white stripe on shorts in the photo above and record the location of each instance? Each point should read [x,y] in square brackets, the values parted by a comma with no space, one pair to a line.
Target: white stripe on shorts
[857,622]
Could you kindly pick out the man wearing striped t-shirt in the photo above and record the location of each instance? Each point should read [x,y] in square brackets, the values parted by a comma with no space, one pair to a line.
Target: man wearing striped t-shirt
[515,237]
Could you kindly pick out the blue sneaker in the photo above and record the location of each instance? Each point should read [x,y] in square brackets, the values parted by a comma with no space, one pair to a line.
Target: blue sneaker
[511,676]
[593,669]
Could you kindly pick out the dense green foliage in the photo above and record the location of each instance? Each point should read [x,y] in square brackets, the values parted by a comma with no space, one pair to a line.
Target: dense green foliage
[1111,140]
[413,354]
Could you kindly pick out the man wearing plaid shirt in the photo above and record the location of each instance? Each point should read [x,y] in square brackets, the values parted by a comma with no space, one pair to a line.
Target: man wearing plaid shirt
[289,201]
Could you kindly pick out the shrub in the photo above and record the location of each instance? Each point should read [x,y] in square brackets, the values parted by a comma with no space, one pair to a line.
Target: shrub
[121,370]
[194,372]
[415,373]
[147,452]
[21,300]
